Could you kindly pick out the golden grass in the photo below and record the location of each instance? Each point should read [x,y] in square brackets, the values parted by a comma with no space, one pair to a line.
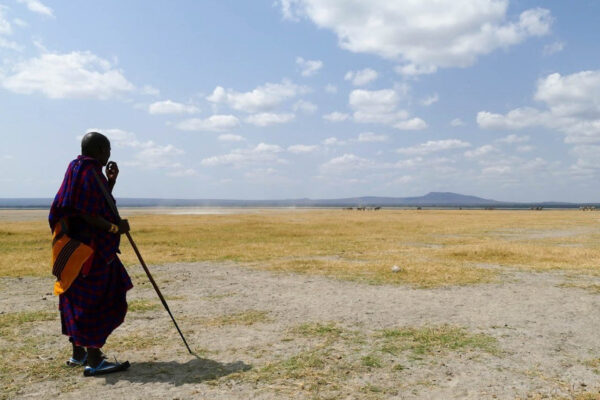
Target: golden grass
[433,247]
[317,329]
[427,340]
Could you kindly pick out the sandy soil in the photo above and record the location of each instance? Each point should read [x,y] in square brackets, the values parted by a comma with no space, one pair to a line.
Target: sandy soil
[547,334]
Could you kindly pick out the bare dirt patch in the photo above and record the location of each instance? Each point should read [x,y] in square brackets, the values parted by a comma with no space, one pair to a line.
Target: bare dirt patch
[265,335]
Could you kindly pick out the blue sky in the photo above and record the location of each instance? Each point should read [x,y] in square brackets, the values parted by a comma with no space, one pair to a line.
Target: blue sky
[305,98]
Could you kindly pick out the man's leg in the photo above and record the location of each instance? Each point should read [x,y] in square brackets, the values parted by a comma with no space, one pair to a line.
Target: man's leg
[95,357]
[79,355]
[78,352]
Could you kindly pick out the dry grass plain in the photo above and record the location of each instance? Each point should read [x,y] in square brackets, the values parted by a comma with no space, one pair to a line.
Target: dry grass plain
[488,304]
[433,247]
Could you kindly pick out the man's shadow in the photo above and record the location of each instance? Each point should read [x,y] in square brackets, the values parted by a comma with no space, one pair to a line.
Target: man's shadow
[196,370]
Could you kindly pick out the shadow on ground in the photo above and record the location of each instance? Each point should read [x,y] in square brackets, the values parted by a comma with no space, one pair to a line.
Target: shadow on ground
[196,370]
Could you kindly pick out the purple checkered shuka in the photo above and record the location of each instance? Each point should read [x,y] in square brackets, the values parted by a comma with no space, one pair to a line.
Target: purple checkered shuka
[95,304]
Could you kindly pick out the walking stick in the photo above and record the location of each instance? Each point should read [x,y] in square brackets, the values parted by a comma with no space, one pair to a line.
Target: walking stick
[113,207]
[162,299]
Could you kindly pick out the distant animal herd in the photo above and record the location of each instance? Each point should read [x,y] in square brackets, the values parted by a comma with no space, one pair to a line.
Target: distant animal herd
[536,208]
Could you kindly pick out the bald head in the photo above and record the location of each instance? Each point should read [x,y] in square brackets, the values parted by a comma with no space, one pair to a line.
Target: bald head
[96,145]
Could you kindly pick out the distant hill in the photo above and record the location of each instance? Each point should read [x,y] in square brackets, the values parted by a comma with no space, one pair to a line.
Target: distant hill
[433,199]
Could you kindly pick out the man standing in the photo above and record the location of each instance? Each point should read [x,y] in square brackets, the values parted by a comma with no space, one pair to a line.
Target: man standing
[95,304]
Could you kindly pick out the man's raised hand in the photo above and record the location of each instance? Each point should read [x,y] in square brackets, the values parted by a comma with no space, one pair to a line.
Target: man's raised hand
[112,171]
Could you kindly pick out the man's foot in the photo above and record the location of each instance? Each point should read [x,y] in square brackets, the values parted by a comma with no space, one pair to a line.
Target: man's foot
[96,356]
[79,357]
[106,367]
[73,362]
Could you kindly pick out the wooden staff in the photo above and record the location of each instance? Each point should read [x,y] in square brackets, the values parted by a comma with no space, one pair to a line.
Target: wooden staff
[162,299]
[114,209]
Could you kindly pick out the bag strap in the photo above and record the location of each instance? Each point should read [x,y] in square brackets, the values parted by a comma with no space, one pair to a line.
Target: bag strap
[107,196]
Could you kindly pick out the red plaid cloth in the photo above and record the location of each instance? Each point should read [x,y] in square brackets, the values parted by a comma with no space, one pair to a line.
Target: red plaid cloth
[81,194]
[95,304]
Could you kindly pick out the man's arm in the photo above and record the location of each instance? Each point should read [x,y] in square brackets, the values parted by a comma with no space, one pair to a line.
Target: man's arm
[102,224]
[112,171]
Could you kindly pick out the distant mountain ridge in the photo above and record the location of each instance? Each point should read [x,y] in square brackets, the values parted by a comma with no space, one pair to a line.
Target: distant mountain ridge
[432,199]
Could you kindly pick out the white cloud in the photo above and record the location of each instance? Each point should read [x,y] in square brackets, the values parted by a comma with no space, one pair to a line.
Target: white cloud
[553,48]
[572,107]
[262,98]
[262,153]
[183,172]
[587,158]
[149,90]
[267,119]
[302,148]
[228,137]
[118,137]
[37,7]
[336,116]
[413,124]
[376,102]
[19,22]
[261,175]
[213,123]
[524,148]
[72,75]
[6,30]
[152,155]
[457,122]
[147,154]
[415,70]
[410,163]
[5,27]
[305,106]
[347,162]
[9,44]
[381,107]
[433,146]
[480,151]
[333,141]
[537,163]
[515,119]
[371,137]
[377,106]
[429,100]
[171,107]
[362,77]
[512,138]
[331,89]
[422,35]
[309,67]
[496,170]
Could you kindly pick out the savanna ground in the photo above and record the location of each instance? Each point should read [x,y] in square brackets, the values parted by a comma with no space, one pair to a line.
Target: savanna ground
[303,304]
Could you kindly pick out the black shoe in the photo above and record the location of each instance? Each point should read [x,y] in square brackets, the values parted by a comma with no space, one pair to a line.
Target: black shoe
[106,367]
